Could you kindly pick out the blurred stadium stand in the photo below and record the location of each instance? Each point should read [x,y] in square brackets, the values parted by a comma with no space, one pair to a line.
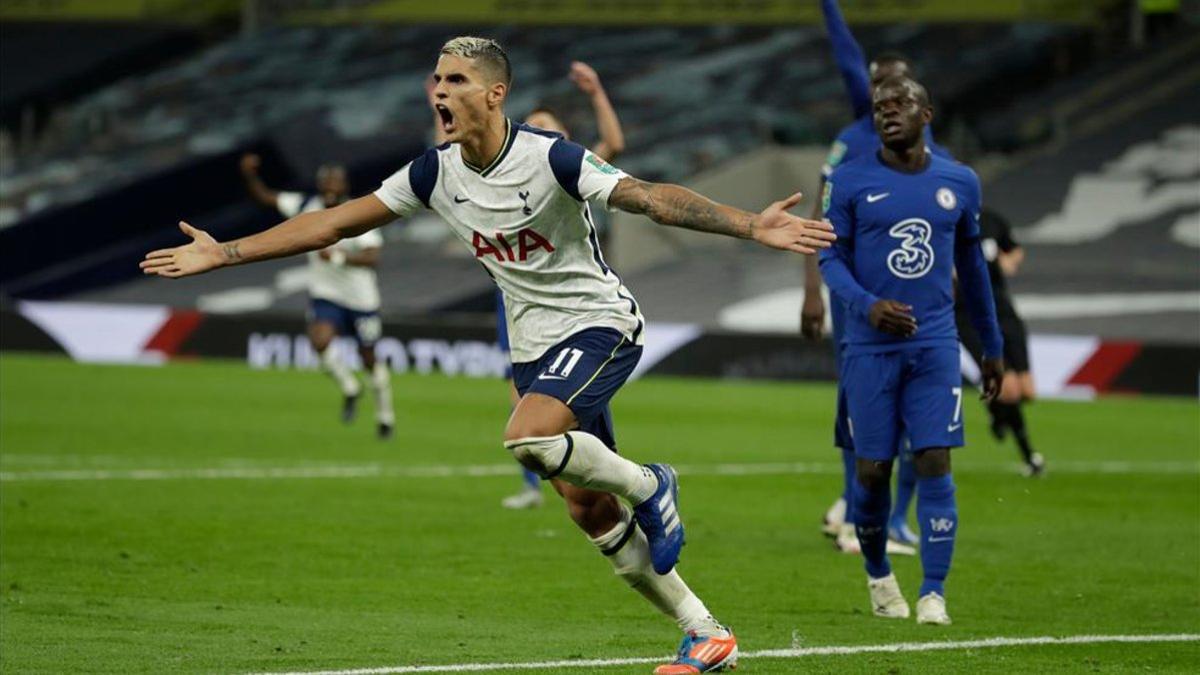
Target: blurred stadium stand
[1036,106]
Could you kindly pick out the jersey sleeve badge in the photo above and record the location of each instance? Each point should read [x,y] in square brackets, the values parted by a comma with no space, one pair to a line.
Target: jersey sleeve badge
[601,165]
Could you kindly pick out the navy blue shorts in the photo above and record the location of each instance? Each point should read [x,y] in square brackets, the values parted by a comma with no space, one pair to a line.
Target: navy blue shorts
[583,371]
[914,395]
[365,327]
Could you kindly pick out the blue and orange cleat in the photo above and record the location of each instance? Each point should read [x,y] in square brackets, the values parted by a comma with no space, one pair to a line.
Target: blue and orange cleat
[702,655]
[658,517]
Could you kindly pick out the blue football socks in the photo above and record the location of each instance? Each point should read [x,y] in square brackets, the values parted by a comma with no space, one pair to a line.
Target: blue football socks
[937,512]
[870,522]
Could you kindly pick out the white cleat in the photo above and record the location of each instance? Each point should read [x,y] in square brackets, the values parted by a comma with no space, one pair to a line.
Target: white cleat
[525,499]
[931,608]
[900,548]
[886,599]
[847,540]
[831,523]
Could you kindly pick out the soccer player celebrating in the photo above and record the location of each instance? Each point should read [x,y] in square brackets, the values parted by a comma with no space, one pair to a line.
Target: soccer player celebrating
[906,220]
[518,198]
[611,144]
[1004,256]
[856,139]
[343,289]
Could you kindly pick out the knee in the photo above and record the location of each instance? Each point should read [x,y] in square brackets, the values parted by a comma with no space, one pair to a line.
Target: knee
[540,454]
[1010,389]
[933,462]
[874,476]
[1028,390]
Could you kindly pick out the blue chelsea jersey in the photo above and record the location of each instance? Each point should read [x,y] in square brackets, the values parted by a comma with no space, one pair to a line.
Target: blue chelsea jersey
[900,236]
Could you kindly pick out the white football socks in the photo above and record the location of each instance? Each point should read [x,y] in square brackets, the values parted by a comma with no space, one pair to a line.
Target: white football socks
[581,459]
[381,386]
[330,363]
[626,547]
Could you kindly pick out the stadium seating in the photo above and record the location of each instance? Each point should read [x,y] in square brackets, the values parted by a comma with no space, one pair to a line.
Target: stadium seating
[689,97]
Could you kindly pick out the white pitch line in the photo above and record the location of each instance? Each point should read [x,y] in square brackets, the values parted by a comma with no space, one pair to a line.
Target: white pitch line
[485,470]
[793,653]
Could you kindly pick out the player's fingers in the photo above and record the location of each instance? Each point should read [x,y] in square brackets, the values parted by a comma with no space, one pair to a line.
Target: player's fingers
[189,230]
[815,243]
[823,225]
[156,263]
[160,253]
[790,201]
[800,248]
[820,235]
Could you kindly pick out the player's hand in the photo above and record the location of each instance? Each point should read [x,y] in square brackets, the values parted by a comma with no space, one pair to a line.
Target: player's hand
[812,314]
[893,318]
[585,78]
[777,228]
[250,163]
[993,374]
[202,255]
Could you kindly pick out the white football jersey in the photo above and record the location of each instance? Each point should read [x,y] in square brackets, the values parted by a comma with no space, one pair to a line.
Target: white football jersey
[526,219]
[351,286]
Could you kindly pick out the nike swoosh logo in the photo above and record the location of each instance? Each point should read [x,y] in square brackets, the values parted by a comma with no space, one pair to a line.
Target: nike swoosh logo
[954,427]
[934,540]
[871,199]
[460,201]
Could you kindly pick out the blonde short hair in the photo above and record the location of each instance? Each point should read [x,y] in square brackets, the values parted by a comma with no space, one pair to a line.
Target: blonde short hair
[488,55]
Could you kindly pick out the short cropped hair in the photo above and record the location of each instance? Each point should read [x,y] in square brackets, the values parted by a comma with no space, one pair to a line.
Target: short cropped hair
[914,87]
[885,58]
[487,54]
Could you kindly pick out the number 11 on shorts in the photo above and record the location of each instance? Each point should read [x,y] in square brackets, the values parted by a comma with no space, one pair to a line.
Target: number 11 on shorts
[572,357]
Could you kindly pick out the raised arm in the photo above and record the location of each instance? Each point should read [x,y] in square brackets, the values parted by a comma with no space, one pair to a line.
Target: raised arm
[612,139]
[678,206]
[306,232]
[849,57]
[258,190]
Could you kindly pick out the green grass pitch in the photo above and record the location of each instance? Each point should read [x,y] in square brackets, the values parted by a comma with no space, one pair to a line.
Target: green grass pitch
[384,567]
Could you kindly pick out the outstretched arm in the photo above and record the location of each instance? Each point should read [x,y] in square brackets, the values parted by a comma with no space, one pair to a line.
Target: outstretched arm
[849,57]
[254,184]
[612,139]
[306,232]
[680,207]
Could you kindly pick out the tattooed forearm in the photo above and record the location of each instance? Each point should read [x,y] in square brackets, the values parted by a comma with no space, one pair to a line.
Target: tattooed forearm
[232,254]
[678,206]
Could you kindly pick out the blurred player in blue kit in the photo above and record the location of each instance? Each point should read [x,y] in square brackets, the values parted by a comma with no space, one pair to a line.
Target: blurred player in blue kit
[906,221]
[854,140]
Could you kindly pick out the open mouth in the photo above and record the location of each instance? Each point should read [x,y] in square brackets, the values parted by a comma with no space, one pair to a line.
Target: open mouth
[447,117]
[892,127]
